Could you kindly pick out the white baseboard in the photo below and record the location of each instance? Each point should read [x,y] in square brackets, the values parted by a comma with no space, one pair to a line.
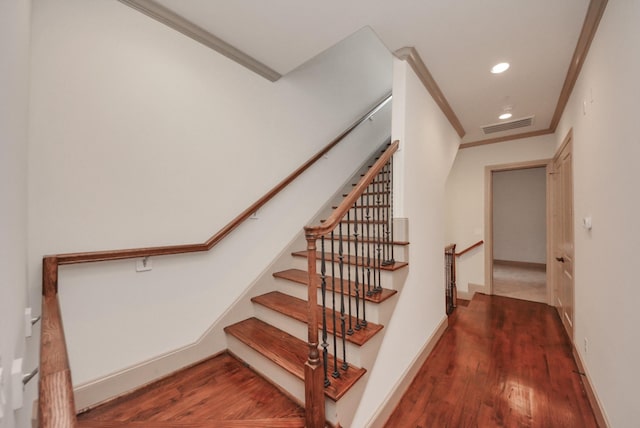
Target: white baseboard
[395,395]
[596,405]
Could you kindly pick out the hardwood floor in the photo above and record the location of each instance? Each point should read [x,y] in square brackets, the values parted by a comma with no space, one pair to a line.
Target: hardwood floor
[502,363]
[218,392]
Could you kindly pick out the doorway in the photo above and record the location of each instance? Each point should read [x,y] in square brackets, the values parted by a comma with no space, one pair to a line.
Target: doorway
[517,239]
[519,234]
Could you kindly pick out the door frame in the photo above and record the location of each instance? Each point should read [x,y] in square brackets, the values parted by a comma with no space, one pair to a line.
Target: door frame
[567,144]
[488,216]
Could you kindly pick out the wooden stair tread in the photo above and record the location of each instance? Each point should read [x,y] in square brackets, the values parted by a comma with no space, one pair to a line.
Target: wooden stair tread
[350,260]
[298,422]
[290,353]
[297,309]
[302,277]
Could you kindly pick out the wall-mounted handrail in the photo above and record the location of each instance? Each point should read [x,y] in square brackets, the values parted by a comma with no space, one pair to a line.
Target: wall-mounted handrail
[96,256]
[56,407]
[316,370]
[469,248]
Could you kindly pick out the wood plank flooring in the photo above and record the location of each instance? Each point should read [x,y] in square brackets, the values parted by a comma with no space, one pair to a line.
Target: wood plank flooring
[501,363]
[218,392]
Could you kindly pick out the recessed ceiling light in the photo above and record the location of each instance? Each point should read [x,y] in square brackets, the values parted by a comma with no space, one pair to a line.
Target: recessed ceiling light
[499,68]
[505,116]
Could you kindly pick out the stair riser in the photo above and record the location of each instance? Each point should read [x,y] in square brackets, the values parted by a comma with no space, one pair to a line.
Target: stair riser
[299,329]
[277,375]
[274,373]
[300,291]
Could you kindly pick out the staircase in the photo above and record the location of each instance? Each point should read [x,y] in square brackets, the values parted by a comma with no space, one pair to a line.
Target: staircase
[274,341]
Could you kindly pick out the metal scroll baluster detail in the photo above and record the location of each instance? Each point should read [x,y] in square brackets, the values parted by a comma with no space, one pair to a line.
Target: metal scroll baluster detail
[357,263]
[366,272]
[342,306]
[369,240]
[336,373]
[379,237]
[325,345]
[392,260]
[349,266]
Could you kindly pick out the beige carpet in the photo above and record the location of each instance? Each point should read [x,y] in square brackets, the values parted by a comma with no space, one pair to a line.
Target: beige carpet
[518,282]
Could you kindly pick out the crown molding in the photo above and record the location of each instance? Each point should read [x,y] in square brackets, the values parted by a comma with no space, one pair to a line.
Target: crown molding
[411,56]
[189,29]
[591,21]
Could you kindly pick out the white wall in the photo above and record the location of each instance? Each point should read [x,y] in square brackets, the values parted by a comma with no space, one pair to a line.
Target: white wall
[606,153]
[520,216]
[141,136]
[428,147]
[14,96]
[465,197]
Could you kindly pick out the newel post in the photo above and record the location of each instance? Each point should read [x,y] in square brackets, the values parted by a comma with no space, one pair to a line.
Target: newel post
[313,369]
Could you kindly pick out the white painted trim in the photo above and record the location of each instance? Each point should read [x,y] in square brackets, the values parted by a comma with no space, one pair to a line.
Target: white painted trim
[396,393]
[189,29]
[596,404]
[488,213]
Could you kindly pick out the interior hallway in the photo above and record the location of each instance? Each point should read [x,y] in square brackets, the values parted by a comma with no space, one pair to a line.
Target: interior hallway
[502,362]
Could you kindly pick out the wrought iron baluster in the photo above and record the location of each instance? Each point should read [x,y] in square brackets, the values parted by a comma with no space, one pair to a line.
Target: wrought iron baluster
[369,243]
[387,217]
[325,344]
[366,261]
[335,373]
[379,239]
[391,239]
[342,306]
[384,216]
[349,265]
[357,263]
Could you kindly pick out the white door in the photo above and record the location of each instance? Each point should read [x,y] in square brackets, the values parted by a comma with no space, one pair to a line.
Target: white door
[563,235]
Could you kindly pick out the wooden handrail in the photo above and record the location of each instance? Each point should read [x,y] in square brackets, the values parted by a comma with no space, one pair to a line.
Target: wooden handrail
[469,248]
[314,378]
[56,408]
[97,256]
[315,232]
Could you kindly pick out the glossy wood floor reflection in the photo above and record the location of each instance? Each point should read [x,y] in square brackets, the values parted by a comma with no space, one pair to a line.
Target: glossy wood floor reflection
[219,392]
[502,363]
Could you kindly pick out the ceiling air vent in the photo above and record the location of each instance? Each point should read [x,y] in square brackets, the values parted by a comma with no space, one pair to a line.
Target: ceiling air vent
[506,126]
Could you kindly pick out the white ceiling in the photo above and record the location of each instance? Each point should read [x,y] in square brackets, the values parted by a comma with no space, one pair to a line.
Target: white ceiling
[458,40]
